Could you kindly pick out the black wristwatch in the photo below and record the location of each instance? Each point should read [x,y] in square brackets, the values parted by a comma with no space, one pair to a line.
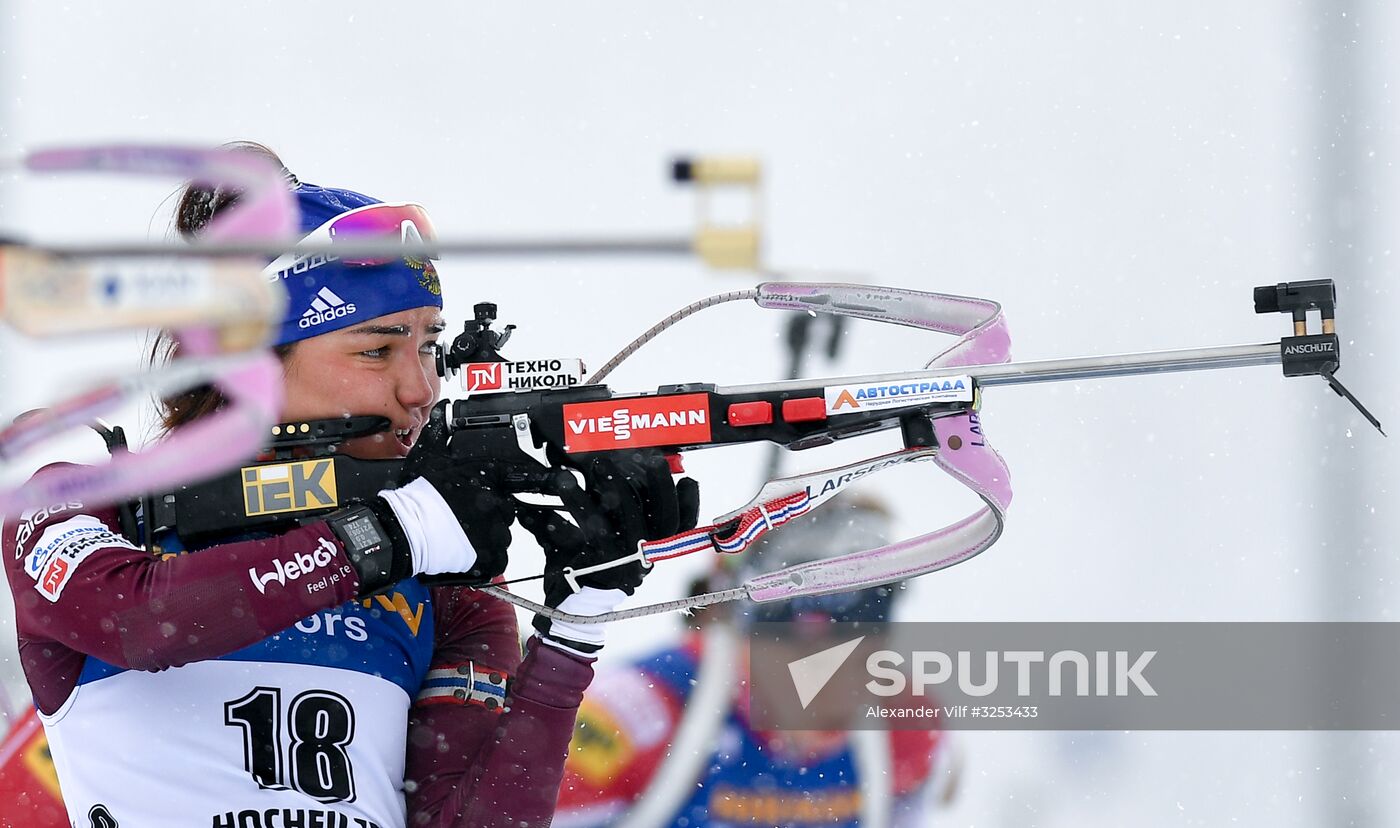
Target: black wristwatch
[375,545]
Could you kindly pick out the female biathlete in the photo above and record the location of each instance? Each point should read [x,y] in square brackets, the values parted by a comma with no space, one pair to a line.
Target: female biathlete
[316,678]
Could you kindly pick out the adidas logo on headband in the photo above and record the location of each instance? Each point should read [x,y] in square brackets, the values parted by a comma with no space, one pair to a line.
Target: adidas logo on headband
[325,307]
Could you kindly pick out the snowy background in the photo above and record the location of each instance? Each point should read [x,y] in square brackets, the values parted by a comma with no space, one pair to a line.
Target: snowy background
[1118,175]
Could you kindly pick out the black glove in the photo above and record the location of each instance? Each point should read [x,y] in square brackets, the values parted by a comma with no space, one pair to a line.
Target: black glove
[422,539]
[623,482]
[475,491]
[630,497]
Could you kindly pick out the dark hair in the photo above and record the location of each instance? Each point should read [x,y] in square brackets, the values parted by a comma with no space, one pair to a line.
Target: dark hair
[198,206]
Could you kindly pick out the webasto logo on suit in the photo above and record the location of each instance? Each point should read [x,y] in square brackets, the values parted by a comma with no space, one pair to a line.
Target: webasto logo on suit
[300,565]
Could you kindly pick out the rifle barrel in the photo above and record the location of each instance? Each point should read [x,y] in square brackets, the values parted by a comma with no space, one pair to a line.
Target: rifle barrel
[1060,370]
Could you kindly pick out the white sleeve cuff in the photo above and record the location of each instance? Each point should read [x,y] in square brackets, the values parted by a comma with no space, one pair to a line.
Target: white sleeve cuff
[435,536]
[587,601]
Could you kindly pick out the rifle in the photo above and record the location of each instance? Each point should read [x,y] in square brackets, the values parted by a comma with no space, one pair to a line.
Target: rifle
[526,414]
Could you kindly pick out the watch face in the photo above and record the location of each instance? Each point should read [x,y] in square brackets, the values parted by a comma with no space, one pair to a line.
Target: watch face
[361,532]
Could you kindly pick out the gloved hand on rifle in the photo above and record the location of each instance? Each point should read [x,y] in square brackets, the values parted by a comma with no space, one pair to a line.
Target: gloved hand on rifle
[448,515]
[629,497]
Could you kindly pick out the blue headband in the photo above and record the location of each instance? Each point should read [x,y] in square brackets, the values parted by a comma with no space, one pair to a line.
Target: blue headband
[325,295]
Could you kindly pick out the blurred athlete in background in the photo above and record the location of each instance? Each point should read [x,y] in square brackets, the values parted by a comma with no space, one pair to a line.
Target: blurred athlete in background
[666,741]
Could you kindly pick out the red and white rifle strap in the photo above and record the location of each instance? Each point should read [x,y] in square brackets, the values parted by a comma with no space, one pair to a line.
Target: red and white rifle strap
[777,503]
[731,536]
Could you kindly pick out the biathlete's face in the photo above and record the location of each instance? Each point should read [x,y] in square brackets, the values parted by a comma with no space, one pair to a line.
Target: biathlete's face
[384,366]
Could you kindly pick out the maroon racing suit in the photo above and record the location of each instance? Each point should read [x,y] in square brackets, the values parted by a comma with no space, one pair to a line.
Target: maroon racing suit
[92,608]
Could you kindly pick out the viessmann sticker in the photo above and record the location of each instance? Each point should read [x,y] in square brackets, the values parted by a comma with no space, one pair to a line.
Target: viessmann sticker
[637,423]
[845,399]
